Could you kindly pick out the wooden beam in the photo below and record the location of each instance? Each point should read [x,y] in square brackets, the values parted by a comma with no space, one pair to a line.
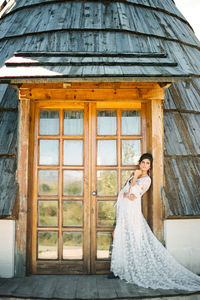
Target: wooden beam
[22,177]
[92,94]
[157,143]
[91,85]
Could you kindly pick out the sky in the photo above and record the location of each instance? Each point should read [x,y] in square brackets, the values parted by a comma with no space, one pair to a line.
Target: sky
[191,11]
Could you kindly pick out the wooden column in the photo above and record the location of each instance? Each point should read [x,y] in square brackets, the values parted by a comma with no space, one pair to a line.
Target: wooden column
[22,177]
[157,144]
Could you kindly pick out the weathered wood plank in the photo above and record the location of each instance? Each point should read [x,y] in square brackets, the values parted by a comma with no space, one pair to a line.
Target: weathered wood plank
[9,287]
[66,287]
[87,287]
[23,160]
[3,280]
[8,97]
[79,287]
[25,287]
[105,288]
[182,186]
[8,185]
[8,132]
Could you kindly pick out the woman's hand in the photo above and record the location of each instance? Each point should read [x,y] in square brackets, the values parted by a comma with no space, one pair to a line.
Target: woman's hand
[126,195]
[137,173]
[129,196]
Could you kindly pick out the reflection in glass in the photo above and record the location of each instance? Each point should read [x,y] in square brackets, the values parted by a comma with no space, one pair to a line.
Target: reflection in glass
[49,122]
[72,245]
[72,213]
[48,213]
[106,213]
[73,152]
[72,183]
[73,122]
[131,122]
[48,182]
[106,122]
[104,241]
[48,152]
[106,153]
[125,176]
[47,245]
[131,151]
[106,183]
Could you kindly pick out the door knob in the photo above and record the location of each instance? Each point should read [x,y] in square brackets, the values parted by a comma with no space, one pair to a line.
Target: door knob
[94,193]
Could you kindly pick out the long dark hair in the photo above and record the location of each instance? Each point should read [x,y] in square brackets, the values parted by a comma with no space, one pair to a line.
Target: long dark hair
[149,157]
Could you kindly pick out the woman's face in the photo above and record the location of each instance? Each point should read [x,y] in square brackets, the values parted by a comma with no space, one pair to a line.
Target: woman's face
[145,164]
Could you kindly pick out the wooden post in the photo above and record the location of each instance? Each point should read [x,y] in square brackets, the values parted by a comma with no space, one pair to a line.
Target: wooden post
[22,176]
[157,144]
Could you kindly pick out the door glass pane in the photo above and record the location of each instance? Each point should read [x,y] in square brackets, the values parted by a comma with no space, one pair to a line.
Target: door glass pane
[72,245]
[106,153]
[131,122]
[47,245]
[125,176]
[106,213]
[48,152]
[106,122]
[49,122]
[106,183]
[104,242]
[48,182]
[47,213]
[72,183]
[131,151]
[72,213]
[73,122]
[73,152]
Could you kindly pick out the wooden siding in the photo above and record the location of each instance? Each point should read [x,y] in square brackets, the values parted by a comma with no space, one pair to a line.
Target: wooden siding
[8,186]
[182,149]
[182,195]
[117,26]
[8,140]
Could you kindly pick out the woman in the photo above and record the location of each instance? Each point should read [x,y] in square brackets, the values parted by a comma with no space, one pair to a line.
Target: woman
[137,256]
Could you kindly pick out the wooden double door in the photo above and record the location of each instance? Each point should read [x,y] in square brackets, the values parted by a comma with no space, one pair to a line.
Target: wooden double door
[83,153]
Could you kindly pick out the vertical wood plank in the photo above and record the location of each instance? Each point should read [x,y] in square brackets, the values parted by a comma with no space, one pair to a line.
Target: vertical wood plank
[86,156]
[119,159]
[93,183]
[144,150]
[157,152]
[33,198]
[60,239]
[22,170]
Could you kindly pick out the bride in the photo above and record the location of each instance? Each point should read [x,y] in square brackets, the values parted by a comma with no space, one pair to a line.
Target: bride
[137,255]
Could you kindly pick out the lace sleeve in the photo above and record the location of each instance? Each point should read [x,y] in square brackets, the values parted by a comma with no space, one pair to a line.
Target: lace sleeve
[141,186]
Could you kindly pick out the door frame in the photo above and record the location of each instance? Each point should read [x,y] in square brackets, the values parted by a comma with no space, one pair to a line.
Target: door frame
[151,94]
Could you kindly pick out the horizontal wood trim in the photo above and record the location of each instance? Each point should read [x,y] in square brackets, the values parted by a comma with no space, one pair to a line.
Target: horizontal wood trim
[92,94]
[64,267]
[109,105]
[182,217]
[86,85]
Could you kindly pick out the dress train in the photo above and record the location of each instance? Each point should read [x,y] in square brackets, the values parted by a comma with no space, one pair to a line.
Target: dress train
[137,255]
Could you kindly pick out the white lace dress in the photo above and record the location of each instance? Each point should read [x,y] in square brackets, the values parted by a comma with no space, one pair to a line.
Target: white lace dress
[137,255]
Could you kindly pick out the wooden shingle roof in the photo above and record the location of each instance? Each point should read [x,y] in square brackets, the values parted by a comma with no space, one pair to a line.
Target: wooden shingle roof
[108,30]
[125,66]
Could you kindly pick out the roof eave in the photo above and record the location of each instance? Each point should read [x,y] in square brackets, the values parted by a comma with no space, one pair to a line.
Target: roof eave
[41,79]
